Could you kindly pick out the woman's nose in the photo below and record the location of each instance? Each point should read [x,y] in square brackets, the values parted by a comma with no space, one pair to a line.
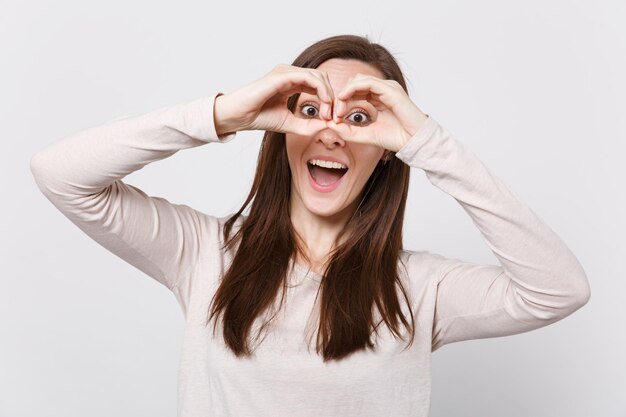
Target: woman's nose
[330,138]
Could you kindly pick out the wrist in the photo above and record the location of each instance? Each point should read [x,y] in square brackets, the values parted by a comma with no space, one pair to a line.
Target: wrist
[417,125]
[224,123]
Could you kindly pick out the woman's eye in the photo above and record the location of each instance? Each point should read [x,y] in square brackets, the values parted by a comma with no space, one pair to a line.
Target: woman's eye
[360,117]
[308,110]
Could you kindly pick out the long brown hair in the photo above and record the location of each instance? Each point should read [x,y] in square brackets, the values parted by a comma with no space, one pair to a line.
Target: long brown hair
[361,273]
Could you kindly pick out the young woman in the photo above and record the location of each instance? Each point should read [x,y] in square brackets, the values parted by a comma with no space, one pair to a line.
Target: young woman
[309,305]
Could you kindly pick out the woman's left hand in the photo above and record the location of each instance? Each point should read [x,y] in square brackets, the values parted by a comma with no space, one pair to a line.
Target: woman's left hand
[397,118]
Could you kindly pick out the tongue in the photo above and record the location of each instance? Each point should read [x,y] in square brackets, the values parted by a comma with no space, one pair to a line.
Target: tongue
[326,176]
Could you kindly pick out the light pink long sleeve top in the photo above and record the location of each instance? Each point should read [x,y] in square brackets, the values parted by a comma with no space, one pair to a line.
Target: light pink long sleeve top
[538,280]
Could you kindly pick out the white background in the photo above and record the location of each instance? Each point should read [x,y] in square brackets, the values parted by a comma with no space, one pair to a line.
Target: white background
[535,88]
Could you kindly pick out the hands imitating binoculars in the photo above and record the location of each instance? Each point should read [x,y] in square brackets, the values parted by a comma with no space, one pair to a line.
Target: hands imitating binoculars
[367,110]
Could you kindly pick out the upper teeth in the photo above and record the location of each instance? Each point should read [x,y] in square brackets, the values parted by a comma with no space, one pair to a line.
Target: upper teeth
[327,164]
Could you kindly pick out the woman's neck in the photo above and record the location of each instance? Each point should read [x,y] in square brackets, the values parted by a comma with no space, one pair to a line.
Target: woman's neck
[317,234]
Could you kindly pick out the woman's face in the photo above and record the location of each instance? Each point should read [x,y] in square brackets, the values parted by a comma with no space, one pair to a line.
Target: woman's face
[326,191]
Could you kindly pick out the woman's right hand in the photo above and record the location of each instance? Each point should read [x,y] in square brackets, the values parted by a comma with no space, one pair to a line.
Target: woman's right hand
[262,104]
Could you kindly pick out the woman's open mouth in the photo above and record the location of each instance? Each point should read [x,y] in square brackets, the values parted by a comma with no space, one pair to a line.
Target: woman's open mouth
[325,176]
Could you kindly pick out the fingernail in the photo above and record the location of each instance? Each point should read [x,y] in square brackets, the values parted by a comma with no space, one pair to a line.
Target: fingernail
[339,108]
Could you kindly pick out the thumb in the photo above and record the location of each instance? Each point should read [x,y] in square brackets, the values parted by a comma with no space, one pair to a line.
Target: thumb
[305,127]
[348,132]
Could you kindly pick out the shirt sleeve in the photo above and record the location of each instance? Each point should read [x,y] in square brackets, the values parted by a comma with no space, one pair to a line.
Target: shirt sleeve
[82,174]
[539,280]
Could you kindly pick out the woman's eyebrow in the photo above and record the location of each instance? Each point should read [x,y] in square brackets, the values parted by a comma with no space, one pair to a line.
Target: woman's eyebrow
[303,97]
[361,103]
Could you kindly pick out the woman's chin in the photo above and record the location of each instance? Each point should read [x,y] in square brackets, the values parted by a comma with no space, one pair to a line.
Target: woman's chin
[322,204]
[323,208]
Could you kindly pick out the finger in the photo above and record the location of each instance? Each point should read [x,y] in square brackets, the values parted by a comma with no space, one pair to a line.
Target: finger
[325,106]
[303,127]
[351,133]
[362,86]
[339,109]
[380,91]
[328,114]
[300,89]
[325,111]
[303,78]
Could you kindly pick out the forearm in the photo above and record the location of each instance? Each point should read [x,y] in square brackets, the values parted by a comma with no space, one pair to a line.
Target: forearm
[85,162]
[548,280]
[81,175]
